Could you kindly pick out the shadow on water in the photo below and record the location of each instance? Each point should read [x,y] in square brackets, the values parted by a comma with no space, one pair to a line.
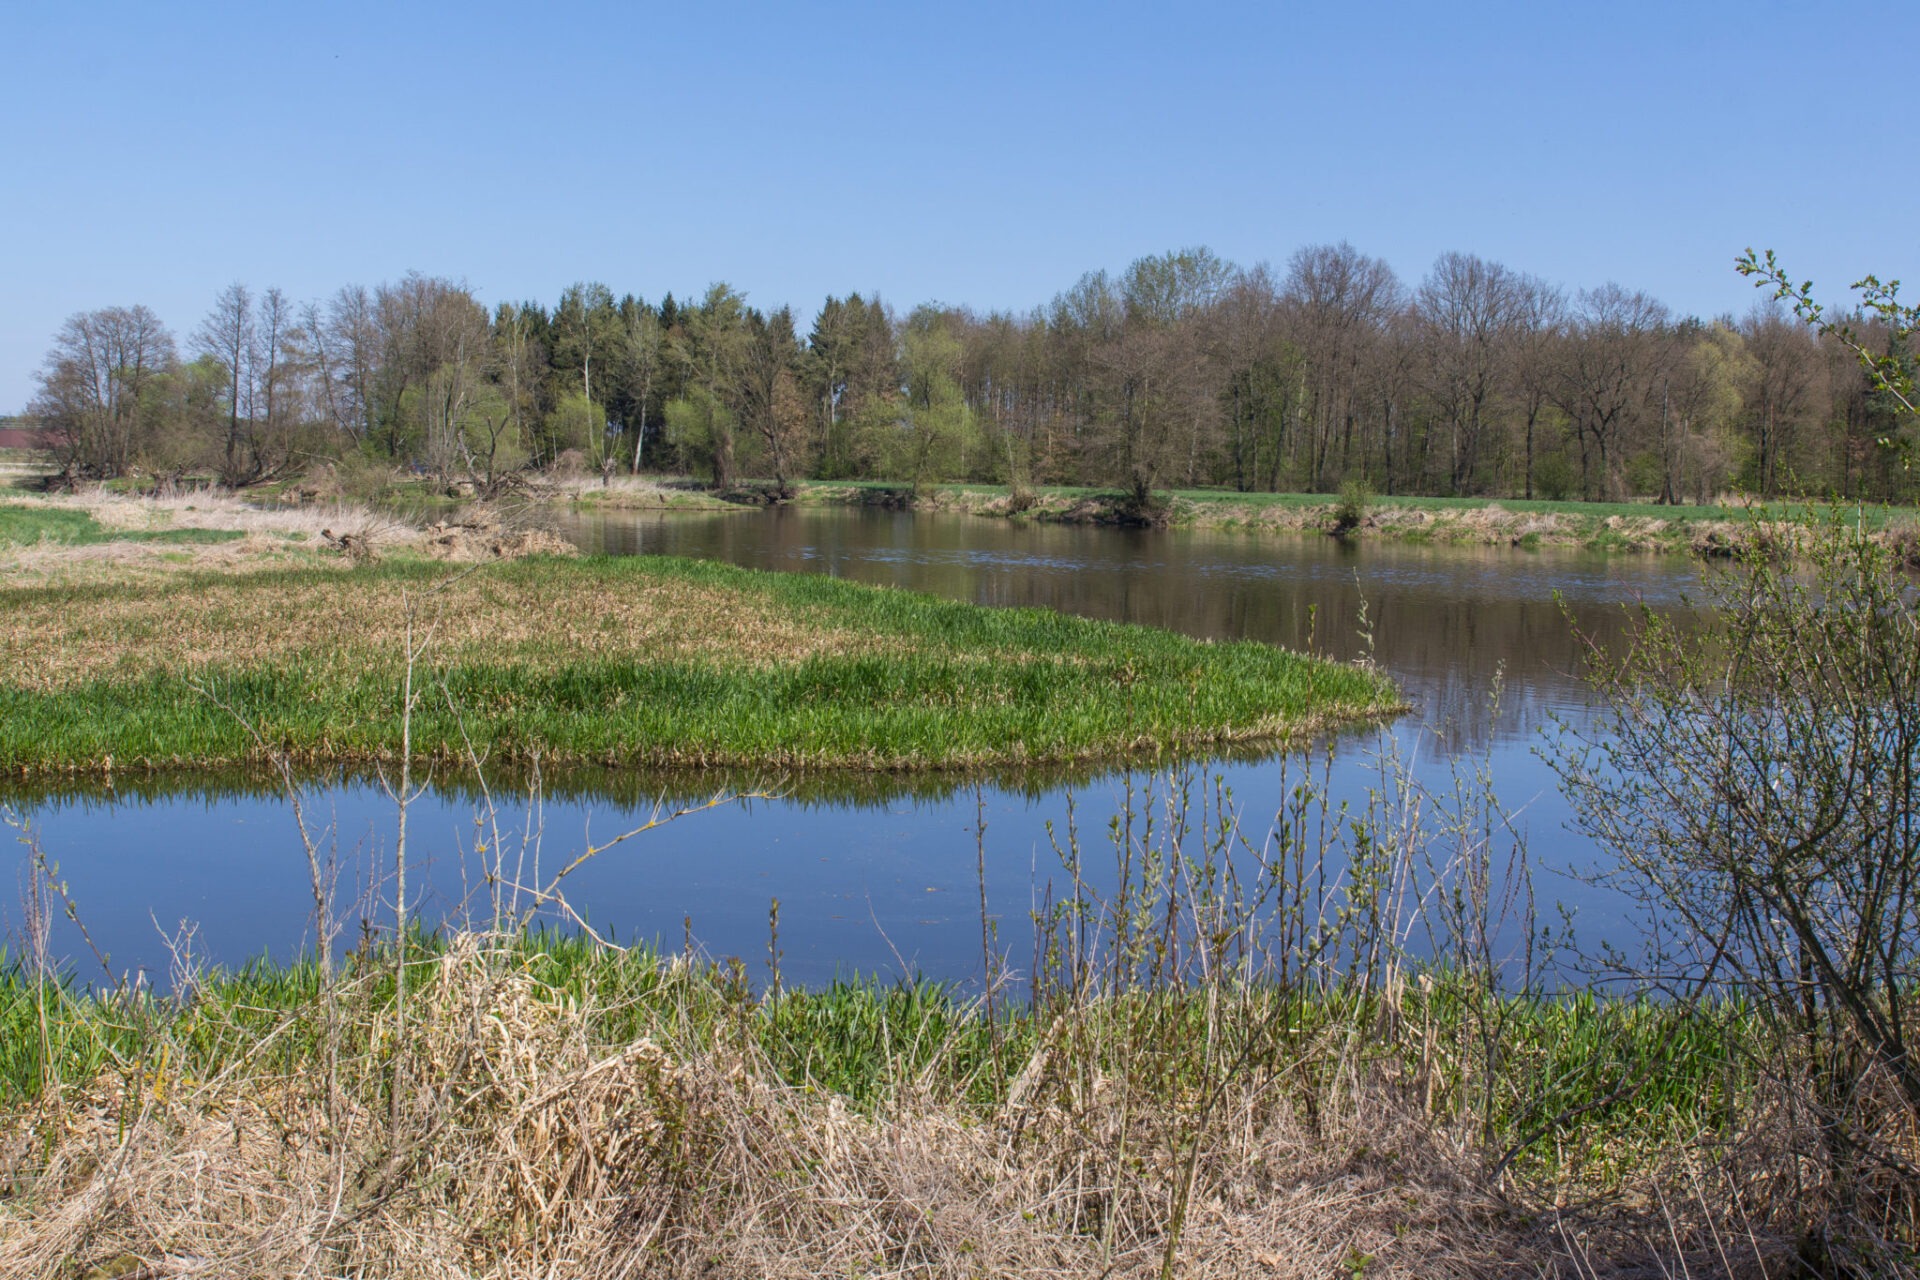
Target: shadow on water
[874,872]
[619,789]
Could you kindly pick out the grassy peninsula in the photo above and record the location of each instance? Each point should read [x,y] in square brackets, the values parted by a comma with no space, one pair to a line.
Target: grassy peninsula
[611,661]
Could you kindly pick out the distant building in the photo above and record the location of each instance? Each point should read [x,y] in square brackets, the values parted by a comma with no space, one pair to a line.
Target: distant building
[24,433]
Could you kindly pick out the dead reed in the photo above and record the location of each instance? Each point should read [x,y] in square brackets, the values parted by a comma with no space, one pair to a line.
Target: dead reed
[1315,1044]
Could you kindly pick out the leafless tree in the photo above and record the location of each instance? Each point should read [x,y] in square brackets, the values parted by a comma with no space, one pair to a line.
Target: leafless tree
[96,386]
[1259,371]
[1337,301]
[254,348]
[355,339]
[1468,310]
[1610,364]
[1783,392]
[1540,317]
[227,337]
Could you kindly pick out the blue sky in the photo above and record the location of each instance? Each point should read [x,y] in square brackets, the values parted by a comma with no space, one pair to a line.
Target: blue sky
[985,155]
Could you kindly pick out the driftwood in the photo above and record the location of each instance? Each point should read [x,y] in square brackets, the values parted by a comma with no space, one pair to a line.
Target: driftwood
[355,546]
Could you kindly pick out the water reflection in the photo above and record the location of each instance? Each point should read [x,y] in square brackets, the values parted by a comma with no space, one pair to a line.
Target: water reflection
[874,871]
[620,789]
[1444,621]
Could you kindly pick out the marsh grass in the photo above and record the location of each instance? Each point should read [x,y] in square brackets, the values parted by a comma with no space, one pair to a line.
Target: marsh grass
[97,537]
[1221,1067]
[623,661]
[637,1115]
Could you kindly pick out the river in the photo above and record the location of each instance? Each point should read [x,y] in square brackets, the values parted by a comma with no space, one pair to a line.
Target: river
[874,875]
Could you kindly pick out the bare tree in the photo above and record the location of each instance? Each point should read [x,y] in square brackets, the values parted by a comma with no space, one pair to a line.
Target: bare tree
[1539,320]
[1389,373]
[226,336]
[1468,309]
[254,348]
[1783,392]
[1251,356]
[1610,364]
[96,385]
[1337,300]
[355,338]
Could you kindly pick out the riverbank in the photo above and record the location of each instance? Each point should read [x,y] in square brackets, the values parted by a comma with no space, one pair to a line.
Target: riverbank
[535,1103]
[295,648]
[1708,531]
[1711,531]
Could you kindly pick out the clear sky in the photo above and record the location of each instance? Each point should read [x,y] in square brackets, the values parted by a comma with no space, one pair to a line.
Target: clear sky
[984,154]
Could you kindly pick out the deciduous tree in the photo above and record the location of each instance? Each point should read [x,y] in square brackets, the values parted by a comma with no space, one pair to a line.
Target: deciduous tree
[98,388]
[1468,310]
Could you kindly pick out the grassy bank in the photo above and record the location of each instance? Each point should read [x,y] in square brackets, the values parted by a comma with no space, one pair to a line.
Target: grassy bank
[99,535]
[23,524]
[1594,526]
[537,1103]
[641,493]
[617,661]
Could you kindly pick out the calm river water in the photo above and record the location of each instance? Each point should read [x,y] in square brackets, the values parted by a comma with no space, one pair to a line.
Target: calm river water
[875,875]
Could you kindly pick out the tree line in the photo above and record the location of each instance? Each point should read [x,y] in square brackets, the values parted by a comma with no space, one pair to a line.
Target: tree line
[1182,371]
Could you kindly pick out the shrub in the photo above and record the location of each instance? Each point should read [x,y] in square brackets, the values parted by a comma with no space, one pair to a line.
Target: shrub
[1553,477]
[1355,502]
[1758,781]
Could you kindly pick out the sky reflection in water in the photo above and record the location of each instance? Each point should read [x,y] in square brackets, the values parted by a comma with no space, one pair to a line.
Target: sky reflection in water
[879,874]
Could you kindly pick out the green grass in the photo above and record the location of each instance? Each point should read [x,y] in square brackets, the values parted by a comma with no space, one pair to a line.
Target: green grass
[1557,1056]
[29,524]
[622,661]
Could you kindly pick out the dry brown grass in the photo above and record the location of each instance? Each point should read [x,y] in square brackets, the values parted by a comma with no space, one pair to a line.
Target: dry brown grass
[272,537]
[130,620]
[213,509]
[56,640]
[522,1147]
[104,563]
